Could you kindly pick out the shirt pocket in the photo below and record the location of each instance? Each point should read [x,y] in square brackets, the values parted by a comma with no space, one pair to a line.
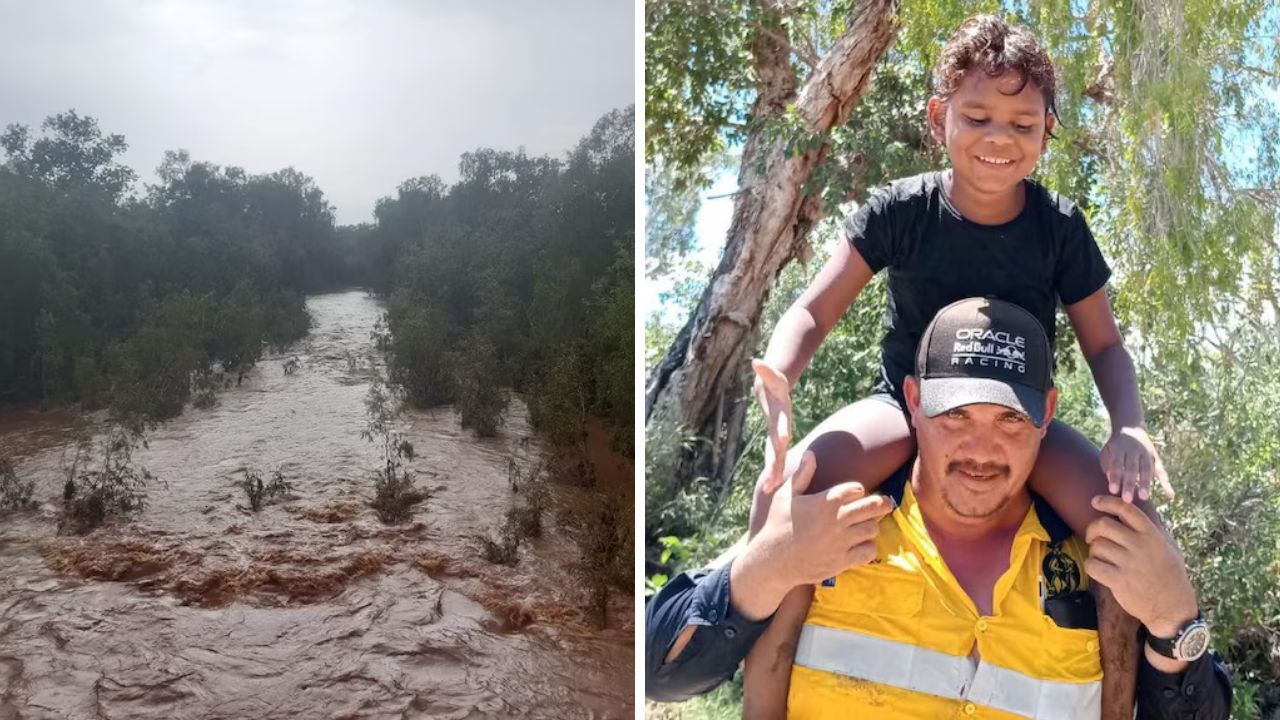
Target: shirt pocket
[883,602]
[1070,654]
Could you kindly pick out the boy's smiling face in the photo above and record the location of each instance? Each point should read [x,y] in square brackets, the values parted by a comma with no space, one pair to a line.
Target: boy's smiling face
[993,138]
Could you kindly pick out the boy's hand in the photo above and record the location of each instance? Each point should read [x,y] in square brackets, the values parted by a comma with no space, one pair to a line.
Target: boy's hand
[1130,462]
[773,392]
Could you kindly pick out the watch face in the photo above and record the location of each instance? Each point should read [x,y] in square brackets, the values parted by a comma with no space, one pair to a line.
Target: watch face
[1194,642]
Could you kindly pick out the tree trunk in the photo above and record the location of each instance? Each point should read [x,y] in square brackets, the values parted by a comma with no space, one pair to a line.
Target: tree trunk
[699,388]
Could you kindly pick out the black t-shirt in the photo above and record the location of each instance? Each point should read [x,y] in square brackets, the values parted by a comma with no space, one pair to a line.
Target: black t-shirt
[935,256]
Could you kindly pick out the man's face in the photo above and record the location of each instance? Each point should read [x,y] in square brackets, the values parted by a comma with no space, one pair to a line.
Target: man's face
[994,139]
[978,455]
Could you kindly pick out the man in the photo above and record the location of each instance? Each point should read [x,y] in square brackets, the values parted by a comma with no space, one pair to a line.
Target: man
[969,599]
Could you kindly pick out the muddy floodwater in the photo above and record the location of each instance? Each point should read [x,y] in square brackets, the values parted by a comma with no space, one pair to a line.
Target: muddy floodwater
[197,607]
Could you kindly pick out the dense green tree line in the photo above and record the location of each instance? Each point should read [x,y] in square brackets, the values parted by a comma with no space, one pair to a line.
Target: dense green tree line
[518,275]
[111,296]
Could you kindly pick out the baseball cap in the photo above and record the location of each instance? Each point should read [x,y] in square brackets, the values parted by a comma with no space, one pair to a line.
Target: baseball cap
[984,350]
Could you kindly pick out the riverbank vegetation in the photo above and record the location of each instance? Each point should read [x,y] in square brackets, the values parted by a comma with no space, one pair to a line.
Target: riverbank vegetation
[131,298]
[142,298]
[519,275]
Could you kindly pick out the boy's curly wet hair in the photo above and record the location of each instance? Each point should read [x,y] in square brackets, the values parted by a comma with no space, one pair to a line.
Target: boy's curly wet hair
[989,44]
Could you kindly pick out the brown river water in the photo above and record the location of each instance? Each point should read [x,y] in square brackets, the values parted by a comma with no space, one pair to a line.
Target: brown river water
[196,607]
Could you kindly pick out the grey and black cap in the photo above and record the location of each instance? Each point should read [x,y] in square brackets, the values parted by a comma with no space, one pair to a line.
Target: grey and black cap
[983,350]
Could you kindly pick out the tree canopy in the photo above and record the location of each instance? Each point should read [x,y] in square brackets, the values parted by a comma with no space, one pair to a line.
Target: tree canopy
[518,275]
[112,296]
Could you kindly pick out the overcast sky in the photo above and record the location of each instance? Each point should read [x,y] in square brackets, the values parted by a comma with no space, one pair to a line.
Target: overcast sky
[358,95]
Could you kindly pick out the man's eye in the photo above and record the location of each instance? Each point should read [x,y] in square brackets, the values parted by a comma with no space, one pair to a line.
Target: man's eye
[956,414]
[1015,419]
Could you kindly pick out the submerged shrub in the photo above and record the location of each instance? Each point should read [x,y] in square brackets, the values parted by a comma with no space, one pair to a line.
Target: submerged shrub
[505,550]
[603,536]
[259,492]
[525,520]
[394,494]
[416,344]
[481,400]
[114,486]
[15,493]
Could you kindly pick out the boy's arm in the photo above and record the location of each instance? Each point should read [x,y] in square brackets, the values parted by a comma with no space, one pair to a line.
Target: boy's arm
[809,320]
[1109,361]
[766,677]
[1129,457]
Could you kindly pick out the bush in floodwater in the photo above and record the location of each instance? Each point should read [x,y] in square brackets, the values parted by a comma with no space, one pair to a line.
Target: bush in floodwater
[114,486]
[205,385]
[524,520]
[525,517]
[505,550]
[415,342]
[480,401]
[15,493]
[603,536]
[260,492]
[394,494]
[285,318]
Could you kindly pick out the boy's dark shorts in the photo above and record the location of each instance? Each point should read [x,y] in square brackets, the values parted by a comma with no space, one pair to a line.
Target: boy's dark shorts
[888,387]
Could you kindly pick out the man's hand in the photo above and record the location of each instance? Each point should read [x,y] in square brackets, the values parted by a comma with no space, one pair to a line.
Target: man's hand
[805,539]
[773,392]
[1141,565]
[1131,464]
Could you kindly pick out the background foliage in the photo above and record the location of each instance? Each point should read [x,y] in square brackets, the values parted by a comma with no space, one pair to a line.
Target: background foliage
[519,275]
[110,297]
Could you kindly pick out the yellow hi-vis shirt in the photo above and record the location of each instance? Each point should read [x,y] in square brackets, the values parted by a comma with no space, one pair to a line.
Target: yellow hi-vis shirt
[893,638]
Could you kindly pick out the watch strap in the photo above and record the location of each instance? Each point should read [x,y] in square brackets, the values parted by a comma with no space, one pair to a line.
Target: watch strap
[1168,646]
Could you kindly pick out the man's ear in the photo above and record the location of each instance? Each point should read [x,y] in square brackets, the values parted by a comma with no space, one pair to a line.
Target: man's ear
[936,117]
[911,393]
[1050,407]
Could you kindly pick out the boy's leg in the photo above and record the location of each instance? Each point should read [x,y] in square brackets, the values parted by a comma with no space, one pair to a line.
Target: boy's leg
[766,675]
[1068,474]
[866,441]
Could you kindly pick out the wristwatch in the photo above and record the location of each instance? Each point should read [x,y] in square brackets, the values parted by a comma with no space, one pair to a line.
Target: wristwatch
[1190,642]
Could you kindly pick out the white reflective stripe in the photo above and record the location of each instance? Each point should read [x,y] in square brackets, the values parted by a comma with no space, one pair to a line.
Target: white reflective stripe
[1011,691]
[906,666]
[901,665]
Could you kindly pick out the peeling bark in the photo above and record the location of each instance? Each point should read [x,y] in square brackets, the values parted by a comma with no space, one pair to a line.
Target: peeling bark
[704,374]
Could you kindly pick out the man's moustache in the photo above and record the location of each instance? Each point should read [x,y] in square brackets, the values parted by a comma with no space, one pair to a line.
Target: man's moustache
[973,468]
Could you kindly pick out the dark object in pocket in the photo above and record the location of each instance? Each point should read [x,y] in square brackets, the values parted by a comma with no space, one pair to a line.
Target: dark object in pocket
[1073,610]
